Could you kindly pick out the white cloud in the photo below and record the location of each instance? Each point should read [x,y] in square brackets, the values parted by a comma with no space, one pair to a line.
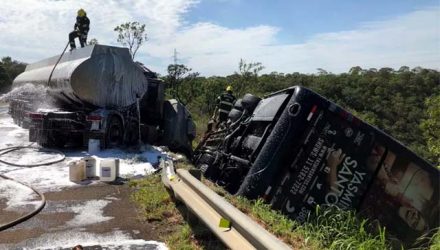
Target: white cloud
[33,30]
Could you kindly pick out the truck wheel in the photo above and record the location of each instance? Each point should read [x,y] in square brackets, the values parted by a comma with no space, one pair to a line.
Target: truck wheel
[59,140]
[115,132]
[131,133]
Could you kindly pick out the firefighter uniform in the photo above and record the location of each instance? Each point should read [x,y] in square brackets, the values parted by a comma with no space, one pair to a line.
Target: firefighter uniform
[225,102]
[80,30]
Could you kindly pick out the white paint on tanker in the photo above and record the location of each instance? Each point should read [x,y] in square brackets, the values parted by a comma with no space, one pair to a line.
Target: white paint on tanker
[97,75]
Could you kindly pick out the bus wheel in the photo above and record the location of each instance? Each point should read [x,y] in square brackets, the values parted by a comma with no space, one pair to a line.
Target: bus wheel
[114,133]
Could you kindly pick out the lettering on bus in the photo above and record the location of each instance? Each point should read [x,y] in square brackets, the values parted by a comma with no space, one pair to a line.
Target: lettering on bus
[308,170]
[345,183]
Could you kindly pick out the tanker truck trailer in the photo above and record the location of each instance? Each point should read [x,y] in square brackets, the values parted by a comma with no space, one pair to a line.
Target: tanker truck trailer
[98,92]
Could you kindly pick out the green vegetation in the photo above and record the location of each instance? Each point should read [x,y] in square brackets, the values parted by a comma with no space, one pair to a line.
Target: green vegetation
[173,222]
[393,100]
[404,103]
[131,35]
[435,241]
[9,69]
[431,127]
[327,228]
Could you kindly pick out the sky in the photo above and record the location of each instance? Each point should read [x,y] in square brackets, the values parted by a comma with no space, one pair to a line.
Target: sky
[211,36]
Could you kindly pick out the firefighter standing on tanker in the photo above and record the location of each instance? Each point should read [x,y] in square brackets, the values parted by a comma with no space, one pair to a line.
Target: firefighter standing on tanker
[225,102]
[80,29]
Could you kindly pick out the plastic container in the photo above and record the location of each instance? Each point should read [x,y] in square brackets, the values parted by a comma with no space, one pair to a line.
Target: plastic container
[90,167]
[77,171]
[94,146]
[108,170]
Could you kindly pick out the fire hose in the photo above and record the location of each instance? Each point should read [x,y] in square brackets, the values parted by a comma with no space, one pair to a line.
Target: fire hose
[28,215]
[41,195]
[11,149]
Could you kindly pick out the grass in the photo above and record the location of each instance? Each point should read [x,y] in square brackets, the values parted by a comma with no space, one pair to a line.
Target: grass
[326,228]
[435,241]
[173,223]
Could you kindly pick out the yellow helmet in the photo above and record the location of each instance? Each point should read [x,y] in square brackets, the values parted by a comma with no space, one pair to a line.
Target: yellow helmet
[229,88]
[81,13]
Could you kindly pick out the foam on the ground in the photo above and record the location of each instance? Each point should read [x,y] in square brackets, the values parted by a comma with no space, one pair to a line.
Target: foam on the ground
[67,240]
[16,195]
[89,212]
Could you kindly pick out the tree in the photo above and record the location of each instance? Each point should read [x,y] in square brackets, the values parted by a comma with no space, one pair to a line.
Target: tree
[322,71]
[355,70]
[132,35]
[404,69]
[9,69]
[246,76]
[179,74]
[431,127]
[249,69]
[4,80]
[93,41]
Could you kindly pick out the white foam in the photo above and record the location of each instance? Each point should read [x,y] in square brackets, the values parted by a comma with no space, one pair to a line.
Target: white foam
[17,196]
[89,212]
[44,178]
[29,91]
[69,239]
[56,176]
[11,134]
[30,156]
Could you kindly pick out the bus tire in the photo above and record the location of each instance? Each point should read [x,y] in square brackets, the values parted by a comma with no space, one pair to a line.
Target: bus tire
[250,102]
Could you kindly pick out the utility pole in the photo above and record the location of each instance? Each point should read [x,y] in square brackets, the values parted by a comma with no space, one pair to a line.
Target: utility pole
[175,56]
[174,87]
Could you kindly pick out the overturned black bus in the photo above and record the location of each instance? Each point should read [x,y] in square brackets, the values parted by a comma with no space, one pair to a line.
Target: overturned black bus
[296,150]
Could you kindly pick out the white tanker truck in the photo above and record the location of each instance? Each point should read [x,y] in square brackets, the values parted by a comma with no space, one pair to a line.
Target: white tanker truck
[98,92]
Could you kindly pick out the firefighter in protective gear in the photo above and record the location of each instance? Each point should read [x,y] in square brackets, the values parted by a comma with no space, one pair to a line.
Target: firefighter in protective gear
[225,102]
[80,29]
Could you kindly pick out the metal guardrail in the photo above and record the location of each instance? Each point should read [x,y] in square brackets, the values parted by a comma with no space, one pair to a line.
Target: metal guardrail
[240,232]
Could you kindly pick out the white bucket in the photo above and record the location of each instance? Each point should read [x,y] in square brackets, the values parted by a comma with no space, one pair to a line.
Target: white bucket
[108,169]
[94,146]
[90,166]
[77,171]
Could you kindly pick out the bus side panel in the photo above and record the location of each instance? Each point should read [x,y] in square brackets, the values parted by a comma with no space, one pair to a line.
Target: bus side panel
[404,196]
[329,164]
[333,158]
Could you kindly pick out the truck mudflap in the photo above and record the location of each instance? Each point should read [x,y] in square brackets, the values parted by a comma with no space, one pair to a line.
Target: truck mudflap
[178,127]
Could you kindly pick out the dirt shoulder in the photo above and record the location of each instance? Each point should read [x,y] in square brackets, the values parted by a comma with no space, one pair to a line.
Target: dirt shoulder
[99,209]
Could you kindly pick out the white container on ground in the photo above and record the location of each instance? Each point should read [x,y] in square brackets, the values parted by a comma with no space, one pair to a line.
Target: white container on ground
[108,170]
[90,167]
[94,146]
[77,171]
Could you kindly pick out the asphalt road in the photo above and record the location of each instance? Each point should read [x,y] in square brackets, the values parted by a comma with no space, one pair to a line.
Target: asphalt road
[93,214]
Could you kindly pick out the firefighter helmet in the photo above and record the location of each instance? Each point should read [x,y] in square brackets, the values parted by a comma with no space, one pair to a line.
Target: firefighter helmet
[81,13]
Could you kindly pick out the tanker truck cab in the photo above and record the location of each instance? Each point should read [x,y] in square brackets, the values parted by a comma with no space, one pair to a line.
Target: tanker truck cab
[99,93]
